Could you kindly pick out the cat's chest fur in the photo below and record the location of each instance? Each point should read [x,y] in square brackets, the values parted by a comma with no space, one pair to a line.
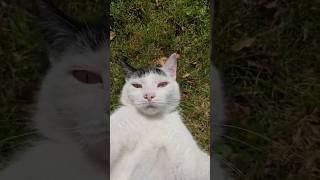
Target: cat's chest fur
[166,131]
[132,132]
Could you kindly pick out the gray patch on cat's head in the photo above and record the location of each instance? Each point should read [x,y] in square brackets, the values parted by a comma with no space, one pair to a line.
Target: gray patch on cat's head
[143,72]
[63,33]
[131,72]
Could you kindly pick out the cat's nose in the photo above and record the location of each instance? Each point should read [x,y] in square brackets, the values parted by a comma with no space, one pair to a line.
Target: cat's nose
[149,97]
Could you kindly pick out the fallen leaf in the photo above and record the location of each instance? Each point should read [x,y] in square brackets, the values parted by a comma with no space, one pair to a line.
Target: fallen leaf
[243,44]
[240,111]
[260,66]
[261,2]
[161,61]
[277,16]
[178,55]
[112,35]
[271,5]
[186,75]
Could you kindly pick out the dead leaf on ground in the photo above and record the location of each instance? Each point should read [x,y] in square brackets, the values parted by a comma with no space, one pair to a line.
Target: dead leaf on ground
[178,55]
[161,61]
[112,35]
[271,5]
[186,75]
[277,17]
[243,44]
[240,111]
[260,66]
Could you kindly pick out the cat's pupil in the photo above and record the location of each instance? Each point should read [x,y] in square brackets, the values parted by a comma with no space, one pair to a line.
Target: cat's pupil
[163,84]
[136,85]
[86,76]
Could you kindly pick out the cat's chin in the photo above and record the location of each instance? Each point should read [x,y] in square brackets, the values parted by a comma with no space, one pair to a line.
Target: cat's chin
[150,110]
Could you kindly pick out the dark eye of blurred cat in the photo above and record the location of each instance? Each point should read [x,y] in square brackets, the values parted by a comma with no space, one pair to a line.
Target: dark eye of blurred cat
[136,85]
[86,76]
[163,84]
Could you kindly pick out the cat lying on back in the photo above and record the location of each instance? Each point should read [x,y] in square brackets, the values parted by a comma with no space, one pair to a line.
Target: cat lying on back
[71,111]
[148,139]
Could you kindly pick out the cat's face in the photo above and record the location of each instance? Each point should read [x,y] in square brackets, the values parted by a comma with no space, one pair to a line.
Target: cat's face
[152,91]
[73,102]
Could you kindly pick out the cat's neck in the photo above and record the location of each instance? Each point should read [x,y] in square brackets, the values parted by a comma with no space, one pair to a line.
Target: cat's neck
[160,116]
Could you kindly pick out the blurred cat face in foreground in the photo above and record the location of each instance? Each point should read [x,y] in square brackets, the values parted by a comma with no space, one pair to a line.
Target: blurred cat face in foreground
[73,103]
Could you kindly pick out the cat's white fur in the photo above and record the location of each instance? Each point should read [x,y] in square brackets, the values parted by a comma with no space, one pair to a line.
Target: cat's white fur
[154,144]
[73,116]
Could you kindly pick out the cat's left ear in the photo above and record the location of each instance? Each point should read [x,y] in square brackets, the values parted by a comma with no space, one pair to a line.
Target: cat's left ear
[58,29]
[170,67]
[126,67]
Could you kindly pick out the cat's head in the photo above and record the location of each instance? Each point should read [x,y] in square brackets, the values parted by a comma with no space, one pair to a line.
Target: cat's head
[151,91]
[73,102]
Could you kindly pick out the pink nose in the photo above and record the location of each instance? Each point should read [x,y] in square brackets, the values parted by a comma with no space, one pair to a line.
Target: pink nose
[149,97]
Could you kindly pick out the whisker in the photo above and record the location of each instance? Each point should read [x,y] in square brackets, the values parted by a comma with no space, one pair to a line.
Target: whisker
[18,136]
[249,131]
[231,166]
[34,132]
[242,142]
[277,144]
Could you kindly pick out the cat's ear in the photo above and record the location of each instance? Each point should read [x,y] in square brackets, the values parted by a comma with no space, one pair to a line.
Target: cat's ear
[58,29]
[170,67]
[126,67]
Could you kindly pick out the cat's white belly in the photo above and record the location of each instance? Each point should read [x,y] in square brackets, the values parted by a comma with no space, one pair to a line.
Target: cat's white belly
[144,149]
[52,161]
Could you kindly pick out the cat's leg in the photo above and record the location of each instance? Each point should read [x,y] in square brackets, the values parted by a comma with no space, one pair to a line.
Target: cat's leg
[116,140]
[154,165]
[196,166]
[115,150]
[127,164]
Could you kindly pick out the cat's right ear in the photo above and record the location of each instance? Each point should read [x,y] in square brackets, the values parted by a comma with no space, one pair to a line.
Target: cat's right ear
[170,67]
[58,29]
[126,67]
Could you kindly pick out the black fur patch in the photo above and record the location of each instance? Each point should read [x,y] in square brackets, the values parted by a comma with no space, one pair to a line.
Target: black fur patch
[62,32]
[143,72]
[92,37]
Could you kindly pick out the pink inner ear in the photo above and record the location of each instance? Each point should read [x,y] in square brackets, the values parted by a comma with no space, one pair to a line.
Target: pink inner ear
[171,66]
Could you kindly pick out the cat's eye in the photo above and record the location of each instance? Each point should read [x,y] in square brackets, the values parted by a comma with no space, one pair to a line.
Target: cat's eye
[162,84]
[86,76]
[136,85]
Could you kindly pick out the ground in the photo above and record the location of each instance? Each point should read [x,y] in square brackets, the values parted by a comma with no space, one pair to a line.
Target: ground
[268,51]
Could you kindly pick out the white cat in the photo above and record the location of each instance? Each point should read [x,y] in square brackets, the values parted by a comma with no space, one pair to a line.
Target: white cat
[72,109]
[148,139]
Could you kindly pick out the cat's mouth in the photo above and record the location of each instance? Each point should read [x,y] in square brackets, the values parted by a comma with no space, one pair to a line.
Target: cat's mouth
[150,106]
[150,109]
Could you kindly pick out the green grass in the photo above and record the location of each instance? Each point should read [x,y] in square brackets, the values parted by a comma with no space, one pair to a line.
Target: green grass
[273,86]
[146,33]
